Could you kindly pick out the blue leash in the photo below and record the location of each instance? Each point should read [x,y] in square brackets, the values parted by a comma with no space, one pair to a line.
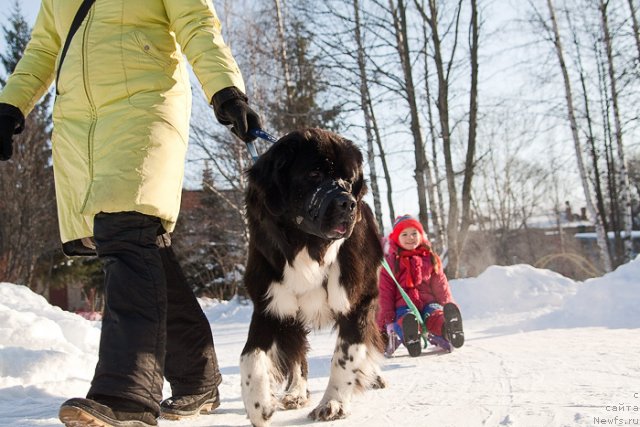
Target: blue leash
[259,133]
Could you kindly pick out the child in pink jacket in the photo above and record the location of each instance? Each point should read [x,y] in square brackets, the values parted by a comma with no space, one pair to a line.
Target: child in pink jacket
[419,271]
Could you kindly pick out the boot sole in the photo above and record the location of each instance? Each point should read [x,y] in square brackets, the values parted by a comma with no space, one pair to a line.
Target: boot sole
[205,408]
[76,417]
[411,335]
[72,416]
[453,320]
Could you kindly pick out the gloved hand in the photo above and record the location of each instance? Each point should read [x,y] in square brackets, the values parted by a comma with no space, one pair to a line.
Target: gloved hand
[11,123]
[7,129]
[231,108]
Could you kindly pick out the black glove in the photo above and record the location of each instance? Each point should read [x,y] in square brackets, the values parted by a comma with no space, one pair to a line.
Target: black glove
[231,108]
[11,123]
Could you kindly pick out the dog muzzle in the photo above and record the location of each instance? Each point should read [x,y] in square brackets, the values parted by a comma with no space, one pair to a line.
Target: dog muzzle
[316,206]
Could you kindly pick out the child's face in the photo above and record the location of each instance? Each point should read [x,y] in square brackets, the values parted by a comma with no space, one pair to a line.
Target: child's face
[409,238]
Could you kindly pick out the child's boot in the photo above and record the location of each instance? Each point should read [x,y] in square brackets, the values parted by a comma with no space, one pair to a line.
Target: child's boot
[393,341]
[411,334]
[452,328]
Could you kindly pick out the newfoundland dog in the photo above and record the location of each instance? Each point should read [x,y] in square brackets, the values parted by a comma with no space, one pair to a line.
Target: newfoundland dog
[313,261]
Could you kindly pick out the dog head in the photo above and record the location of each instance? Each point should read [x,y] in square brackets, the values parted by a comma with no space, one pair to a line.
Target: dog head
[311,180]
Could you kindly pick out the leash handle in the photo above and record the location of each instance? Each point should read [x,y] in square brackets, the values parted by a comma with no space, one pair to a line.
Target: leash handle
[262,134]
[252,151]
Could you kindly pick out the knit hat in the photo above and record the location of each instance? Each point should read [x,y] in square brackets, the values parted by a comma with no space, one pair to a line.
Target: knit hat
[402,222]
[406,221]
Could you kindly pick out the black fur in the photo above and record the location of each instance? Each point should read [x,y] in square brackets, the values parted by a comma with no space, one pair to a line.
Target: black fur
[279,184]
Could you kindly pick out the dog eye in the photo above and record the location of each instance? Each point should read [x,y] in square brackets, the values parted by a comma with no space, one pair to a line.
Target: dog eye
[315,175]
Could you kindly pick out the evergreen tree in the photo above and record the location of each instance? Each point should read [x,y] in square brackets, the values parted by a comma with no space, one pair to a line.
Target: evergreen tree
[28,225]
[17,36]
[209,239]
[303,104]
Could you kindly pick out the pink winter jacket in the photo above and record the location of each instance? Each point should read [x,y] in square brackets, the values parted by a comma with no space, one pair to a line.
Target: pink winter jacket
[429,286]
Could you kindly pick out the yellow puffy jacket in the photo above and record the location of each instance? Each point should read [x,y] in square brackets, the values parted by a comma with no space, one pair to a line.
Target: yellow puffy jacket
[121,117]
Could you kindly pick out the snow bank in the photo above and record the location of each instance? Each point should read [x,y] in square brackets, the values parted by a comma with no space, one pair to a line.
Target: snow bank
[237,310]
[513,289]
[611,301]
[550,300]
[40,342]
[29,321]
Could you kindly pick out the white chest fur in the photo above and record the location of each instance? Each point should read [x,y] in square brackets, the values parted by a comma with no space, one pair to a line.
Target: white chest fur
[302,292]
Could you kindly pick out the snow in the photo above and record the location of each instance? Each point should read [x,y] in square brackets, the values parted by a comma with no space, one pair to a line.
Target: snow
[541,350]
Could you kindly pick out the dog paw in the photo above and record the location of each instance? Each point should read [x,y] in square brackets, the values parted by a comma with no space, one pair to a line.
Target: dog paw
[260,415]
[328,411]
[378,383]
[294,401]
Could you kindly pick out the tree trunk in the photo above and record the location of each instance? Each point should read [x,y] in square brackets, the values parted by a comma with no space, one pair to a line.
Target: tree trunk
[453,251]
[635,26]
[368,119]
[625,190]
[435,190]
[400,26]
[469,164]
[601,234]
[591,138]
[288,84]
[617,252]
[383,160]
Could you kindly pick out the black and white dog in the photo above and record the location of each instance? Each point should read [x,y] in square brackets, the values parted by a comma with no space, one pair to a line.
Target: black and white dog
[313,261]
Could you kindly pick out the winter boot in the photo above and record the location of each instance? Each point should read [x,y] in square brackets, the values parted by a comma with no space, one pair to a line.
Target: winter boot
[78,412]
[452,328]
[440,342]
[178,407]
[392,341]
[411,334]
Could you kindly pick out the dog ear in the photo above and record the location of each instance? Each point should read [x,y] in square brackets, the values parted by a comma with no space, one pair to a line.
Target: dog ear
[359,186]
[359,190]
[267,178]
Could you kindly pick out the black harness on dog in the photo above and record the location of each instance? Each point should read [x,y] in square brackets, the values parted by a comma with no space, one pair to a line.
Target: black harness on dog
[316,206]
[320,199]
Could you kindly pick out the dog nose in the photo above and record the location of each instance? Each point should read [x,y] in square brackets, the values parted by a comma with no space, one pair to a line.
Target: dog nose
[347,202]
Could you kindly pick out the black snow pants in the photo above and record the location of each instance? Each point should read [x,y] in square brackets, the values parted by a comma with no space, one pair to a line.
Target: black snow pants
[153,325]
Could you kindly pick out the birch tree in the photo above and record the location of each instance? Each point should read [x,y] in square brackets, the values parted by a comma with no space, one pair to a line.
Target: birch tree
[365,97]
[398,11]
[625,190]
[600,231]
[459,212]
[633,9]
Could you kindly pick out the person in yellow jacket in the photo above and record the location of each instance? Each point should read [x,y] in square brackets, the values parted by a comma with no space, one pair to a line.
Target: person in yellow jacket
[121,127]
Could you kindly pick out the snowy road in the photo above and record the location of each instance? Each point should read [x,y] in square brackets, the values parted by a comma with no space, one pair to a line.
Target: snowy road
[541,350]
[564,377]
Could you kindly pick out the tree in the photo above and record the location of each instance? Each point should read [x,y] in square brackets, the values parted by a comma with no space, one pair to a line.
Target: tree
[369,117]
[212,235]
[422,175]
[28,224]
[600,231]
[625,190]
[299,101]
[459,215]
[635,26]
[343,34]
